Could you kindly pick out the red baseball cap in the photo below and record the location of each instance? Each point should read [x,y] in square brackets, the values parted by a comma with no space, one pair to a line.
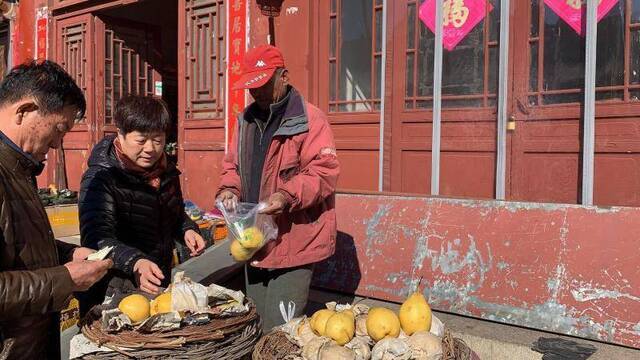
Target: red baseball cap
[258,66]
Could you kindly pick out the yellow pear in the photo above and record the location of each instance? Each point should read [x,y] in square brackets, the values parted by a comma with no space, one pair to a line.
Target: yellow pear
[239,253]
[341,327]
[319,319]
[136,307]
[161,304]
[251,238]
[382,323]
[350,313]
[415,314]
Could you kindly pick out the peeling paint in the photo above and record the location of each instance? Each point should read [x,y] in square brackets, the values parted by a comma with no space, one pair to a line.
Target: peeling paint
[551,315]
[373,233]
[394,277]
[589,294]
[511,206]
[555,283]
[450,261]
[502,265]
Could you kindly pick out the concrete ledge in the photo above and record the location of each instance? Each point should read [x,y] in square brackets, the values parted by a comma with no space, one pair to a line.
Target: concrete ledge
[490,340]
[215,265]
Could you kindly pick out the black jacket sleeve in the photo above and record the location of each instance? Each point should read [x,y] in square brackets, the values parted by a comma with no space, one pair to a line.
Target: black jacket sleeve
[97,209]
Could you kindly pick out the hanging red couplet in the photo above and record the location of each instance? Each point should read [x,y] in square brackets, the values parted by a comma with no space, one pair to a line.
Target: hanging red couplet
[237,46]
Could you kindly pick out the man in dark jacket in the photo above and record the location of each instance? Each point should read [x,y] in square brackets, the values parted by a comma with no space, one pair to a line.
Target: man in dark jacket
[39,103]
[130,198]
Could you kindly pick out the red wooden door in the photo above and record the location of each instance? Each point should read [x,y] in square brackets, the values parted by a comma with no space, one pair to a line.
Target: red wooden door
[469,98]
[202,94]
[548,80]
[350,83]
[108,59]
[128,61]
[74,52]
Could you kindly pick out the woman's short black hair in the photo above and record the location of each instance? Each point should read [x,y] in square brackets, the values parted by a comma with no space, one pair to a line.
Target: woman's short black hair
[47,82]
[145,114]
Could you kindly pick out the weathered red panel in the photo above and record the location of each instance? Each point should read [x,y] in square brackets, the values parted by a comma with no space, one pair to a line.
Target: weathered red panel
[550,177]
[76,161]
[201,176]
[562,268]
[467,174]
[617,179]
[358,170]
[416,171]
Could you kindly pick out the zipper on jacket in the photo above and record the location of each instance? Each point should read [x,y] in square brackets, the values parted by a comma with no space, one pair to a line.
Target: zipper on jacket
[243,184]
[266,124]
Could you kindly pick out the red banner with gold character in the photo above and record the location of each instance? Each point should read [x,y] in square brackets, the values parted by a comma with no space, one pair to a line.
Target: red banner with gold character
[42,20]
[236,46]
[571,11]
[459,17]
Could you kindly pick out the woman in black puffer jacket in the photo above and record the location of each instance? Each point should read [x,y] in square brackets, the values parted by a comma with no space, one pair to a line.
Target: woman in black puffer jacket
[130,198]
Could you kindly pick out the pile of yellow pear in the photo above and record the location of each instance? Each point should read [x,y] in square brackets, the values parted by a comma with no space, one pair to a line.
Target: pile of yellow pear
[244,247]
[138,308]
[337,325]
[381,323]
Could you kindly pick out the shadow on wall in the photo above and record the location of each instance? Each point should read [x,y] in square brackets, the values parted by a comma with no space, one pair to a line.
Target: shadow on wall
[341,271]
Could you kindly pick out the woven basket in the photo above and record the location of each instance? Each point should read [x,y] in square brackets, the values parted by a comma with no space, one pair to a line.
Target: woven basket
[222,338]
[277,346]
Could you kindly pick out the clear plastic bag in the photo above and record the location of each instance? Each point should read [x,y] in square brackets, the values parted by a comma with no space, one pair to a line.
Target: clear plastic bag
[248,230]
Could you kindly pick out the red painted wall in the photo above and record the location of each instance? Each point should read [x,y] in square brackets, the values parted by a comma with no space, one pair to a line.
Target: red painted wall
[562,268]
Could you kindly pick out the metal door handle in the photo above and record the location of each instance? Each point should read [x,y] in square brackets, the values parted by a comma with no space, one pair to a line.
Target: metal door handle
[511,123]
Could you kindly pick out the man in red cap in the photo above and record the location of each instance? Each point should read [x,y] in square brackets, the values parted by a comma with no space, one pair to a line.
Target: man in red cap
[282,153]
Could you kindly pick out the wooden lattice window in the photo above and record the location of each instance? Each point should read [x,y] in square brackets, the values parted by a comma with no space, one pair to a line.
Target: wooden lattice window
[557,56]
[128,66]
[74,54]
[469,71]
[355,55]
[4,48]
[206,57]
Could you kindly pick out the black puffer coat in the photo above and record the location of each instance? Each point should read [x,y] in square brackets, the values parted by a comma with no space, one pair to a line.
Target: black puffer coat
[118,208]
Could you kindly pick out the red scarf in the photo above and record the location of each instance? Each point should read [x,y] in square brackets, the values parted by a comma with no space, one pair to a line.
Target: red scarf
[151,175]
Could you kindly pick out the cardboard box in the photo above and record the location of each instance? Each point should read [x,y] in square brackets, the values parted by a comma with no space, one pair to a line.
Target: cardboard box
[64,220]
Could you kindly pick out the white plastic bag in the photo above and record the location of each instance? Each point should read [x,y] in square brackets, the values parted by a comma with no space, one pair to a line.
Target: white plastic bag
[248,230]
[187,295]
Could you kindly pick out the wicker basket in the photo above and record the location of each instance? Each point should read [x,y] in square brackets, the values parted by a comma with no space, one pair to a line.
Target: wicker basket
[222,338]
[277,346]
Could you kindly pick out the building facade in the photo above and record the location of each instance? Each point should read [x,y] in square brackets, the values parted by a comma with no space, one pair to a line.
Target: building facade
[369,65]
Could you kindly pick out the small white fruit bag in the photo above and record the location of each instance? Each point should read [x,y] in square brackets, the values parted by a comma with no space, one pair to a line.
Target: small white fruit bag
[248,230]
